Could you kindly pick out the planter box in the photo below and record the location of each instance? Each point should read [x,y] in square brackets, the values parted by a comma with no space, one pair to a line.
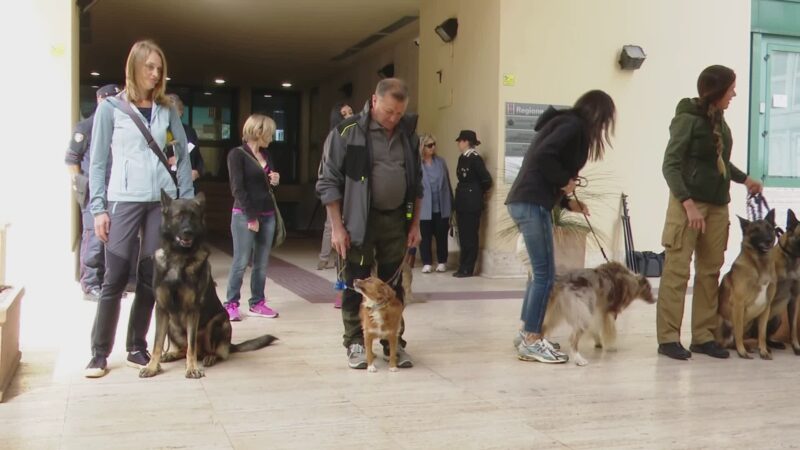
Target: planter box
[10,302]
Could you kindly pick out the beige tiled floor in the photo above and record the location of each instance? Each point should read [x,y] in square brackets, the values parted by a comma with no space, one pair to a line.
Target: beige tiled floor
[467,389]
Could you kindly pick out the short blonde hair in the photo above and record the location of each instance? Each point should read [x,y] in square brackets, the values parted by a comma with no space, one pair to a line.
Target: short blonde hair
[136,58]
[426,138]
[258,127]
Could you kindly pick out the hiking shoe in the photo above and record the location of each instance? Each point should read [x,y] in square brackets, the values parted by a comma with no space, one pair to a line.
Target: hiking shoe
[538,351]
[261,309]
[518,339]
[97,367]
[710,348]
[356,356]
[138,359]
[441,268]
[426,268]
[674,350]
[338,302]
[233,312]
[92,295]
[403,359]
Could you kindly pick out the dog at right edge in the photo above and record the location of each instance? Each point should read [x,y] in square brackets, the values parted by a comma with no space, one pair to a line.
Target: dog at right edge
[747,289]
[590,300]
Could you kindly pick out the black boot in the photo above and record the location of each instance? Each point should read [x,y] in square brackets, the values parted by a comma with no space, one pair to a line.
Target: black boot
[710,348]
[674,350]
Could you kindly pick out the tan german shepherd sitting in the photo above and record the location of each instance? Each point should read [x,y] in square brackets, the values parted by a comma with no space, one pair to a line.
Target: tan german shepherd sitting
[187,306]
[591,300]
[786,258]
[746,290]
[381,315]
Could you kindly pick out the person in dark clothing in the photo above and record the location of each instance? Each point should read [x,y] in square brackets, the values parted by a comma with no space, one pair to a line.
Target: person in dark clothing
[92,252]
[195,157]
[565,140]
[474,182]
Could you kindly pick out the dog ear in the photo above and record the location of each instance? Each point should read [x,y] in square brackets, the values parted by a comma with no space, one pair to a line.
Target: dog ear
[200,199]
[166,200]
[770,218]
[791,221]
[743,223]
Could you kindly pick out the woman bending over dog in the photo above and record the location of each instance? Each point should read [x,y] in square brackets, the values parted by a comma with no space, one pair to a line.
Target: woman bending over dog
[565,141]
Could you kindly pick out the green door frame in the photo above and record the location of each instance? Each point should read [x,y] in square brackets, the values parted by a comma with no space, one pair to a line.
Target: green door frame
[760,92]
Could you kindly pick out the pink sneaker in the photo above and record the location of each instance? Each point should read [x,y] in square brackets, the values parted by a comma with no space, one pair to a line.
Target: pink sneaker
[233,312]
[338,303]
[261,309]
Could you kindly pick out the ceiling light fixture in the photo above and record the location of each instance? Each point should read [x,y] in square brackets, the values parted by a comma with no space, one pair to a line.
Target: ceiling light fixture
[286,84]
[267,95]
[219,81]
[169,79]
[206,93]
[94,74]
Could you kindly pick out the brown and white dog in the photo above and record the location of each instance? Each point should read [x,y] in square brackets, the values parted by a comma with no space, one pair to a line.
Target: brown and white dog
[590,300]
[381,315]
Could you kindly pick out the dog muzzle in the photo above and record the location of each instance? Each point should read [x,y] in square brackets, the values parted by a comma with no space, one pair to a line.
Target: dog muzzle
[185,243]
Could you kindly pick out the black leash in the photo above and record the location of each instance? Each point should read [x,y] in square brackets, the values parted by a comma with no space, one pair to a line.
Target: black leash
[757,207]
[582,183]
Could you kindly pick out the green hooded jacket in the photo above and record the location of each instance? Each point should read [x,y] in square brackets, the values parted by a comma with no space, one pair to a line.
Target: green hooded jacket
[690,160]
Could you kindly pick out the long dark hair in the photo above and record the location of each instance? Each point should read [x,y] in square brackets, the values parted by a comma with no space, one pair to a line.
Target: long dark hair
[598,110]
[712,84]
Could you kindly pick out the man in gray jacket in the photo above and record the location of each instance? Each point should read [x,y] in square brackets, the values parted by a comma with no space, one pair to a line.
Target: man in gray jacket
[371,185]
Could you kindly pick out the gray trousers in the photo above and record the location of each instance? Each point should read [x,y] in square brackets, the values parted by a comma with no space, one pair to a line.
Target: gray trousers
[127,220]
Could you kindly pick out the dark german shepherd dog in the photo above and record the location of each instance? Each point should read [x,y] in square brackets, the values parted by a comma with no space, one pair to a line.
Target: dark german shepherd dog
[187,306]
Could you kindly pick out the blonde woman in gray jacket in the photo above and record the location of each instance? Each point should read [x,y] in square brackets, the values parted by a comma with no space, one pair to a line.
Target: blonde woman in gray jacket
[130,203]
[437,205]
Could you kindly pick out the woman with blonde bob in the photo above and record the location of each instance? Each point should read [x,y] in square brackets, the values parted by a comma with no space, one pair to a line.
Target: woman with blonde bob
[251,172]
[437,204]
[129,204]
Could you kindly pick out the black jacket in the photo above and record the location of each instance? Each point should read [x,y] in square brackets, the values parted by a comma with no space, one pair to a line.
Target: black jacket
[249,182]
[473,181]
[558,152]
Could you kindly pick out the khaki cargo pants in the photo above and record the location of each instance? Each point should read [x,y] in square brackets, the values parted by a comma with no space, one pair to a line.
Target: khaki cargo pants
[680,243]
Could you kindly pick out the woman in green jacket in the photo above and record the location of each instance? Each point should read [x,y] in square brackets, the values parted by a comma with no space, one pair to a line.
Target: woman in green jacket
[698,171]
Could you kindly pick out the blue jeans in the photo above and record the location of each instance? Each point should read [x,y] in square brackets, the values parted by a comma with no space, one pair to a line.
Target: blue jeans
[247,243]
[536,225]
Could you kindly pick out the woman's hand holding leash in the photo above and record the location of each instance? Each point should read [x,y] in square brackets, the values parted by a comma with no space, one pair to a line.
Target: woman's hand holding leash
[578,207]
[102,225]
[570,187]
[274,178]
[753,186]
[694,216]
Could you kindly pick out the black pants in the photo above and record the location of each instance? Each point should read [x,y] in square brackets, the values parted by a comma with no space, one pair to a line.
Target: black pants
[385,245]
[436,228]
[127,219]
[468,224]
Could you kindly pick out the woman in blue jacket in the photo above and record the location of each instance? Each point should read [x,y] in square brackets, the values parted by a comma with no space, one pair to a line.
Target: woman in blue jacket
[564,142]
[437,204]
[130,204]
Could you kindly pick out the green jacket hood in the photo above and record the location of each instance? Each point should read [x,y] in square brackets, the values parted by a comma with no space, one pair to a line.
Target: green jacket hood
[689,106]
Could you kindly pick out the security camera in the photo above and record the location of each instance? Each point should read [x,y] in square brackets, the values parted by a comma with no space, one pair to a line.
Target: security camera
[416,41]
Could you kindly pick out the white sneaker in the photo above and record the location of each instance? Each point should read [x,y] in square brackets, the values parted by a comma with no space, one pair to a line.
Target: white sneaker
[441,268]
[426,268]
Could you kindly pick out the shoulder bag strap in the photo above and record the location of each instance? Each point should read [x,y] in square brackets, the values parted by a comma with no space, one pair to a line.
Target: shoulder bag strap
[125,107]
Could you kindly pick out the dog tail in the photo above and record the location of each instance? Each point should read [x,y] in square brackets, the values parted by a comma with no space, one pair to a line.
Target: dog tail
[253,344]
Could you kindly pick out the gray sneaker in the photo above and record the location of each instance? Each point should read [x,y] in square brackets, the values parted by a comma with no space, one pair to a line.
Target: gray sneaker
[356,356]
[555,349]
[518,340]
[538,351]
[403,359]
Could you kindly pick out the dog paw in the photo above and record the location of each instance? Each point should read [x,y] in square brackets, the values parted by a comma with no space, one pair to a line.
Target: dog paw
[579,361]
[765,355]
[744,355]
[796,350]
[194,373]
[147,372]
[392,369]
[372,368]
[210,360]
[598,345]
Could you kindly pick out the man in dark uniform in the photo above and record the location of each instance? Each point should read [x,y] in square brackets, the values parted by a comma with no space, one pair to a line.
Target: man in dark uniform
[92,255]
[474,181]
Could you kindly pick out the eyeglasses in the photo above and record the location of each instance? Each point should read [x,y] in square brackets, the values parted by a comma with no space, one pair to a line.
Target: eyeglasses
[430,145]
